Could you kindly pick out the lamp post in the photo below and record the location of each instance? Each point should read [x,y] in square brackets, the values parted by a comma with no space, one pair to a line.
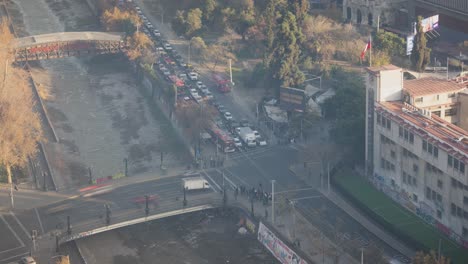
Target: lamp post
[273,202]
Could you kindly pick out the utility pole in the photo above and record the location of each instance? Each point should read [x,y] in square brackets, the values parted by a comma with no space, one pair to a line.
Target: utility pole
[273,201]
[33,239]
[125,167]
[90,175]
[362,256]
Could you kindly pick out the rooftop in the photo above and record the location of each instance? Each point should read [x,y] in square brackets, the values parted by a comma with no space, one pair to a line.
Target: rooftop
[377,69]
[449,136]
[427,86]
[67,36]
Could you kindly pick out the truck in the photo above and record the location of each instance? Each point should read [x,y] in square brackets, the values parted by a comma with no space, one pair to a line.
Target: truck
[195,183]
[222,83]
[247,135]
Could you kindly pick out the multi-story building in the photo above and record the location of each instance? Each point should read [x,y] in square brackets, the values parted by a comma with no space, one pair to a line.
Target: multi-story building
[370,12]
[414,156]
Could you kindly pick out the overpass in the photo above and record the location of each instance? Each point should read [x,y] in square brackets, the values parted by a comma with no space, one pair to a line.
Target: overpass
[67,44]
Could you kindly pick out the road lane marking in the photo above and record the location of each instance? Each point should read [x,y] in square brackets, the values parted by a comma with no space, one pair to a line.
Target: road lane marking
[237,177]
[12,231]
[306,197]
[11,249]
[17,256]
[20,224]
[234,186]
[40,222]
[215,184]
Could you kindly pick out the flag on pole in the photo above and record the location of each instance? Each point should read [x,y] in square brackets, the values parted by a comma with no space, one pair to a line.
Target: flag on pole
[367,47]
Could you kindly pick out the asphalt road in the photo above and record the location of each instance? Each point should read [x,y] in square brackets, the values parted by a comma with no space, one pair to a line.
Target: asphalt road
[89,213]
[261,165]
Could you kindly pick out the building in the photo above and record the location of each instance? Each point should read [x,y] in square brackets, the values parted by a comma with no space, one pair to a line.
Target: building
[453,13]
[392,13]
[414,156]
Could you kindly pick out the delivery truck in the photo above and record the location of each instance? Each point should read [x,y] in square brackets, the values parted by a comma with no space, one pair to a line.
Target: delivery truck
[195,183]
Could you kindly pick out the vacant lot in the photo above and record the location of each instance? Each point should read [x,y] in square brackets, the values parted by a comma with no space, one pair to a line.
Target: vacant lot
[202,237]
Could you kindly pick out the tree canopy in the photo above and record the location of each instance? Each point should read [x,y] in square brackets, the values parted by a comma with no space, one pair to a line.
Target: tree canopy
[421,54]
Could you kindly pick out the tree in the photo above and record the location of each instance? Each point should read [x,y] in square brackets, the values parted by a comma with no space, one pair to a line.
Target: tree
[390,43]
[20,125]
[198,48]
[62,260]
[421,55]
[139,43]
[193,22]
[208,10]
[284,63]
[178,22]
[430,258]
[118,20]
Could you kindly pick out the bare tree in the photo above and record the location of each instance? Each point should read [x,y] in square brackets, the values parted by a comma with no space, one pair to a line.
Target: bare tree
[430,258]
[20,126]
[62,260]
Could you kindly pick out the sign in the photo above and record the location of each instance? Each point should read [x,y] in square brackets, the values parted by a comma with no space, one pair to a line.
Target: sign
[281,251]
[428,24]
[409,44]
[292,99]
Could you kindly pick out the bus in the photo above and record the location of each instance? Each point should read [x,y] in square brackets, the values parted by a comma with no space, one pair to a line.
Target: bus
[222,139]
[222,83]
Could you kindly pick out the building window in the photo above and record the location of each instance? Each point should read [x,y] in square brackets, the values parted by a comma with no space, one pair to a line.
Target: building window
[451,112]
[414,182]
[437,113]
[459,211]
[436,152]
[454,183]
[450,161]
[439,198]
[400,131]
[440,184]
[424,145]
[437,97]
[430,148]
[392,154]
[418,100]
[462,167]
[428,193]
[465,200]
[464,232]
[415,168]
[411,138]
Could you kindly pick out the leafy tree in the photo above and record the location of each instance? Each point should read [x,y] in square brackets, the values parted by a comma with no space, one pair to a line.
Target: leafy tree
[117,20]
[430,258]
[193,22]
[380,58]
[300,9]
[390,43]
[20,125]
[246,20]
[139,44]
[62,260]
[178,22]
[284,63]
[208,10]
[420,55]
[346,109]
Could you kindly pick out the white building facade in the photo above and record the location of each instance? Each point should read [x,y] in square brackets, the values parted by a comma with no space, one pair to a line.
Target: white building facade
[416,157]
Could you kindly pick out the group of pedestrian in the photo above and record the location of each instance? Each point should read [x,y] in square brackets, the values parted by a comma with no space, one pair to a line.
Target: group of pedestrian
[254,193]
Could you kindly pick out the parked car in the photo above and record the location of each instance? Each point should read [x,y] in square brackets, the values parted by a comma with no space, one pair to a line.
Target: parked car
[166,72]
[244,123]
[193,76]
[156,33]
[237,142]
[199,84]
[257,135]
[261,141]
[208,94]
[227,116]
[167,46]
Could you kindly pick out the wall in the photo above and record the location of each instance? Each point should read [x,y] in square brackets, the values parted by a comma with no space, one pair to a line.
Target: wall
[463,110]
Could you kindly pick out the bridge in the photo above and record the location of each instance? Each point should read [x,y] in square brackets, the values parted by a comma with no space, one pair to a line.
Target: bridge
[67,44]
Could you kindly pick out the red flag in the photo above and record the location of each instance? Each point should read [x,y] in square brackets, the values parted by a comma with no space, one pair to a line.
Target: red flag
[367,47]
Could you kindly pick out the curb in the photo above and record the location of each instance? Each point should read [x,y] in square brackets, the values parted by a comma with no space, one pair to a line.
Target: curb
[41,147]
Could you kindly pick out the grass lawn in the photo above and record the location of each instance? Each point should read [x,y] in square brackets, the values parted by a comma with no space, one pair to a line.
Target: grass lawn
[399,217]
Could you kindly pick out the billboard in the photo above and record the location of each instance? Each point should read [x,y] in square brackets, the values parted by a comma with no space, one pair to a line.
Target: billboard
[292,99]
[428,24]
[281,251]
[409,44]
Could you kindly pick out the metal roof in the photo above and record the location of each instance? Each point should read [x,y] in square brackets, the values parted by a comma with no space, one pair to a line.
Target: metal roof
[67,36]
[426,86]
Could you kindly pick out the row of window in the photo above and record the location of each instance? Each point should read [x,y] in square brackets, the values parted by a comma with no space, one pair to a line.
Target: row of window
[407,153]
[386,140]
[433,195]
[386,165]
[430,148]
[458,184]
[384,122]
[456,164]
[409,180]
[458,211]
[406,135]
[433,169]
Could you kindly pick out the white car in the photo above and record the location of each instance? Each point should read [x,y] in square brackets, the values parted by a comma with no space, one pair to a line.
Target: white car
[261,141]
[257,135]
[27,260]
[149,25]
[137,8]
[160,49]
[156,33]
[204,89]
[193,90]
[227,116]
[237,142]
[199,84]
[193,76]
[208,94]
[183,76]
[167,46]
[166,72]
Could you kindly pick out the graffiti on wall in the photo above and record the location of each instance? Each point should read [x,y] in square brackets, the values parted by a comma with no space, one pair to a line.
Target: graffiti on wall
[281,251]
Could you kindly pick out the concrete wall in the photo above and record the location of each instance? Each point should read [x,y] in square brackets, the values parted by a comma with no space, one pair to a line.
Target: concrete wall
[463,110]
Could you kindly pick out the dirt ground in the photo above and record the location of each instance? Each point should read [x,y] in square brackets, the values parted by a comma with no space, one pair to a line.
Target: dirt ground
[197,238]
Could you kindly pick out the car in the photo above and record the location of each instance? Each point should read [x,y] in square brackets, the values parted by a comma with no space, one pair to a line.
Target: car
[208,94]
[222,110]
[183,76]
[167,46]
[199,84]
[257,135]
[233,124]
[166,72]
[149,25]
[139,12]
[137,8]
[204,88]
[237,142]
[193,76]
[152,198]
[27,260]
[227,115]
[192,90]
[156,33]
[168,61]
[159,49]
[244,123]
[145,31]
[261,141]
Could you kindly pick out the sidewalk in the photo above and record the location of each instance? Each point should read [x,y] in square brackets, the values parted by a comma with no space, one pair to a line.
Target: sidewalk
[369,225]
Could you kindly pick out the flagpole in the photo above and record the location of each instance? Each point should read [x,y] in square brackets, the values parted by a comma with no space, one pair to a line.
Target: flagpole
[370,51]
